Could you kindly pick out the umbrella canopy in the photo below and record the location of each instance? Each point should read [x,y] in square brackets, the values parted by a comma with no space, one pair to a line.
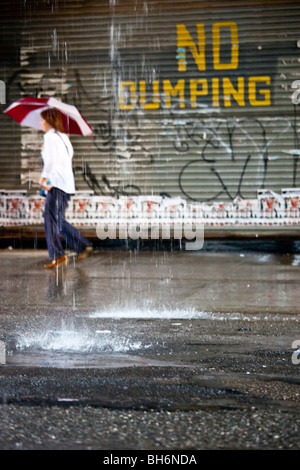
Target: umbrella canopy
[27,112]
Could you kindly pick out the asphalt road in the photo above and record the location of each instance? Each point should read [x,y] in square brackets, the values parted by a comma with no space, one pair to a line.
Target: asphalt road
[151,349]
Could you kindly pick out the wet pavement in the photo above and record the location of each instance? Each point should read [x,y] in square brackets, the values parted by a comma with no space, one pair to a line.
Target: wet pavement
[139,349]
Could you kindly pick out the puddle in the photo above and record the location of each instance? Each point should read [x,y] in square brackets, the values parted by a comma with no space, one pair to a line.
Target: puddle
[77,349]
[64,360]
[91,345]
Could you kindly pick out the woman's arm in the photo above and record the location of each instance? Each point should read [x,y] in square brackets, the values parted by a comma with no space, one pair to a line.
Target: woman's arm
[44,184]
[46,155]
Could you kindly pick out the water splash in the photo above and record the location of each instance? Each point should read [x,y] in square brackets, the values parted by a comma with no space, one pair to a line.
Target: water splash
[169,313]
[75,341]
[149,313]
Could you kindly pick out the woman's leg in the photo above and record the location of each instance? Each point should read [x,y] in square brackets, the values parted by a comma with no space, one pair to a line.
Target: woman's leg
[73,237]
[52,219]
[56,225]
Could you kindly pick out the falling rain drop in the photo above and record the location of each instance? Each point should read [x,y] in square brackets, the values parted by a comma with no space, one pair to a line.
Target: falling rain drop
[54,42]
[66,52]
[2,353]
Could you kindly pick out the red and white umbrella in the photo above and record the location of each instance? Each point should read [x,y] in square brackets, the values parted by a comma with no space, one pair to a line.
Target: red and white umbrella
[27,112]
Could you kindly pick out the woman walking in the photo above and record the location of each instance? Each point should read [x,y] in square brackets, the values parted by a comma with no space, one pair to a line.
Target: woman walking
[58,180]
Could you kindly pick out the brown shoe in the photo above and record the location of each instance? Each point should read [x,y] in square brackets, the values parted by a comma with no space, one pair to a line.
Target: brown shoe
[84,254]
[56,263]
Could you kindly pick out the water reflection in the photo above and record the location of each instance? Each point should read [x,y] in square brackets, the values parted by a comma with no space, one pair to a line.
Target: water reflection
[57,286]
[62,284]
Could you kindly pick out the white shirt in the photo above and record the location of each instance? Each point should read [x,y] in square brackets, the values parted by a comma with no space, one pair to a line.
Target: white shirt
[57,156]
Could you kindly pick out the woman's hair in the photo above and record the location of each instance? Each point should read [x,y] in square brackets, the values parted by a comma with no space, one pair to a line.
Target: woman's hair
[54,118]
